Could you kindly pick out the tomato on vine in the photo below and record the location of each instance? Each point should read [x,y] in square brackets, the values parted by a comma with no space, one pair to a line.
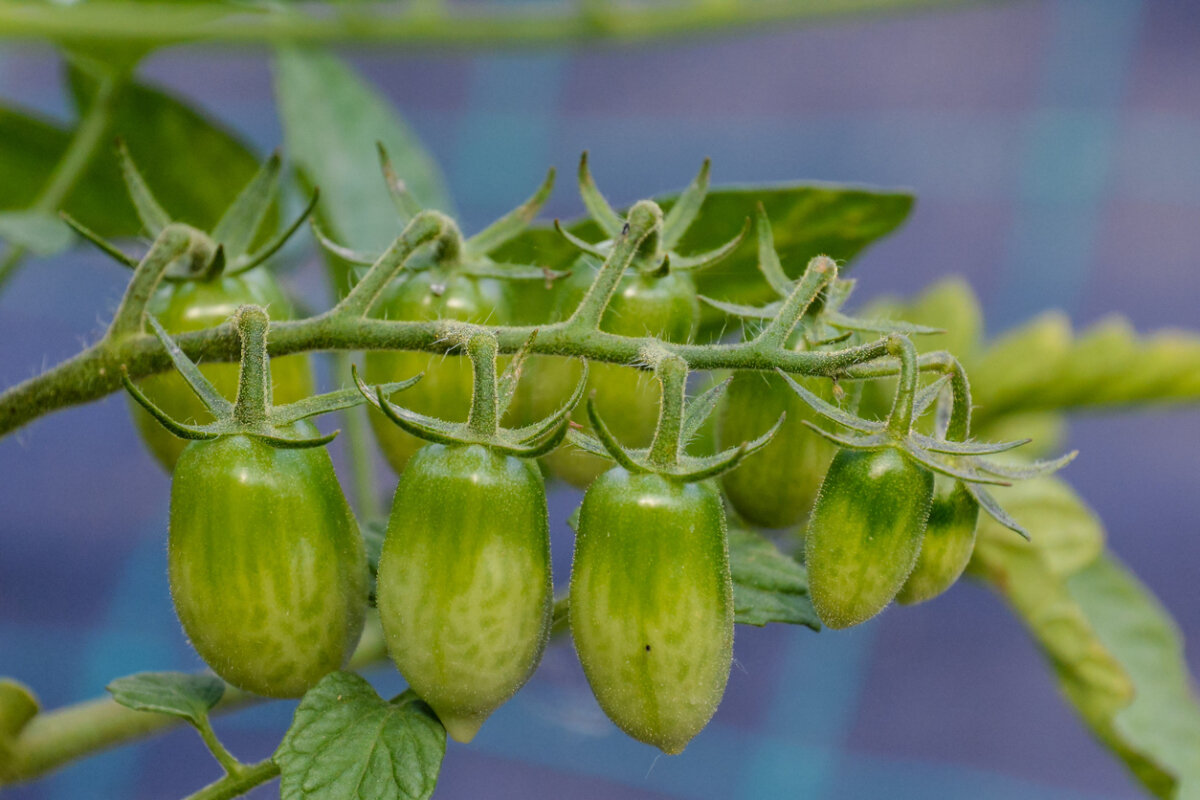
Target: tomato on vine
[651,603]
[656,299]
[459,283]
[218,273]
[203,303]
[464,587]
[871,515]
[267,569]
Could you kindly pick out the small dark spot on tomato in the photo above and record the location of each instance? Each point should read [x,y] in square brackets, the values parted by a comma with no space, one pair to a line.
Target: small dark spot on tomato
[647,648]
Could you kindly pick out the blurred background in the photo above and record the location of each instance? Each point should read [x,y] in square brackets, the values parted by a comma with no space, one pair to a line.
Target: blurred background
[1054,148]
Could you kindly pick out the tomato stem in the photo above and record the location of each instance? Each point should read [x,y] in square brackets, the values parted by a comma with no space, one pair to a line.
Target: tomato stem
[817,275]
[254,382]
[169,245]
[645,218]
[672,373]
[484,417]
[900,419]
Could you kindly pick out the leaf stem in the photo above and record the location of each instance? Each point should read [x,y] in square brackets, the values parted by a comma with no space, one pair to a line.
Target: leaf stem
[55,738]
[238,782]
[225,758]
[74,162]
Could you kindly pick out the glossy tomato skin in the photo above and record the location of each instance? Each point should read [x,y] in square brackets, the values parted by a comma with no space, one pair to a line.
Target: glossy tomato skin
[193,306]
[267,568]
[643,305]
[865,532]
[948,543]
[777,486]
[651,607]
[445,391]
[464,588]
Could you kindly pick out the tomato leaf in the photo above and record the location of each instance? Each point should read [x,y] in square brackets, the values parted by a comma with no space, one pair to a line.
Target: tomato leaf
[346,741]
[176,693]
[41,234]
[30,148]
[768,586]
[1115,652]
[332,119]
[194,165]
[1158,733]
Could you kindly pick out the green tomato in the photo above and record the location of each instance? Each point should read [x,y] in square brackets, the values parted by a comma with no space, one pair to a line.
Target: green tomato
[948,544]
[651,606]
[267,568]
[463,588]
[643,305]
[775,487]
[445,391]
[193,306]
[865,533]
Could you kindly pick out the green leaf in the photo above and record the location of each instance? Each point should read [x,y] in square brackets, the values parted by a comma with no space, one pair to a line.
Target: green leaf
[1158,733]
[195,166]
[346,741]
[332,119]
[768,586]
[176,693]
[30,148]
[1115,652]
[41,234]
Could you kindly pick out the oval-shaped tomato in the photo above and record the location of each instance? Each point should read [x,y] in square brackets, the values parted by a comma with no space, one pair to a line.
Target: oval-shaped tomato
[463,588]
[948,543]
[651,606]
[865,533]
[665,307]
[775,487]
[267,568]
[193,306]
[445,391]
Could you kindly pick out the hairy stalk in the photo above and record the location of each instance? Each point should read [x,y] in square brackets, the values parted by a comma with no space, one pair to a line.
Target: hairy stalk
[495,25]
[70,168]
[95,372]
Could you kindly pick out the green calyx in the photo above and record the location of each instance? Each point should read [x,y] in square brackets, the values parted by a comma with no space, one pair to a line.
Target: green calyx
[252,414]
[657,254]
[950,452]
[490,399]
[226,249]
[822,322]
[454,253]
[678,422]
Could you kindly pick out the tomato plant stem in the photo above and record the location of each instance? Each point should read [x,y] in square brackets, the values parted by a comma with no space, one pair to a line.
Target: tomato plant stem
[419,25]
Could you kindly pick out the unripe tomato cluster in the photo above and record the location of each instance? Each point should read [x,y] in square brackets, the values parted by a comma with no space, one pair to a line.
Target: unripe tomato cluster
[268,568]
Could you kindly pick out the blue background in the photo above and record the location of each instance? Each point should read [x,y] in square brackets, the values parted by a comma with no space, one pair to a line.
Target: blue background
[1055,151]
